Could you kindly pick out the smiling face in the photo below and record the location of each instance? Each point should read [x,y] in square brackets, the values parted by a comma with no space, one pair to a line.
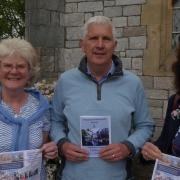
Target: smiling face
[14,72]
[99,44]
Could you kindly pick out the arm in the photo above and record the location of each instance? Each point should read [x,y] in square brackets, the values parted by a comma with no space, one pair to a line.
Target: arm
[154,151]
[49,149]
[165,140]
[143,126]
[59,129]
[142,130]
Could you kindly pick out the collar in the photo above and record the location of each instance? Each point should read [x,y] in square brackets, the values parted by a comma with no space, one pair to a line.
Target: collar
[105,76]
[116,71]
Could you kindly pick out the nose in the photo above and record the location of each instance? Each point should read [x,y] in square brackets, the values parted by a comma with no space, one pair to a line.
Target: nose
[100,43]
[14,69]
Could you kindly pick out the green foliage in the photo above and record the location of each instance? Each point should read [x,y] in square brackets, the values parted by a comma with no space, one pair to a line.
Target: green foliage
[12,17]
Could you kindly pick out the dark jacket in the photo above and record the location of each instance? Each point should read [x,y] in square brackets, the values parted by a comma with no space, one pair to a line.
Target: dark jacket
[170,128]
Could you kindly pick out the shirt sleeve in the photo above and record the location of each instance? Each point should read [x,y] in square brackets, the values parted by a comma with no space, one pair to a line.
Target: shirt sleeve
[58,130]
[143,125]
[46,121]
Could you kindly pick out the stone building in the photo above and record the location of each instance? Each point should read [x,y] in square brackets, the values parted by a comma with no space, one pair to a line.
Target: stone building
[147,31]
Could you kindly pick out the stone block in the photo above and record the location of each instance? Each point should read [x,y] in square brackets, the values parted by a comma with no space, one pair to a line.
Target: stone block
[74,19]
[72,44]
[119,21]
[44,36]
[134,53]
[47,51]
[72,57]
[113,11]
[39,17]
[90,6]
[133,20]
[138,42]
[137,72]
[163,83]
[56,5]
[67,1]
[74,33]
[147,81]
[156,94]
[47,63]
[122,54]
[119,32]
[131,10]
[109,3]
[156,113]
[122,44]
[87,16]
[134,31]
[55,18]
[30,5]
[126,63]
[129,2]
[155,103]
[137,63]
[98,13]
[71,7]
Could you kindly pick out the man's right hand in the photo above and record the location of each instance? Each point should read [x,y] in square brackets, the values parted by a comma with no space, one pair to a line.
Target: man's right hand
[74,152]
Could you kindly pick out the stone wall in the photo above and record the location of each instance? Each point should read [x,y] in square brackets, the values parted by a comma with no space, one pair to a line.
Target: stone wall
[54,27]
[45,30]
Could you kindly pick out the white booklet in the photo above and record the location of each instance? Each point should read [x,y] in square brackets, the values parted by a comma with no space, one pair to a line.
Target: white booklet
[21,165]
[167,169]
[95,133]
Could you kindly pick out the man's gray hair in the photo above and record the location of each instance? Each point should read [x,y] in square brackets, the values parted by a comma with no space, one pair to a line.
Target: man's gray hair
[99,20]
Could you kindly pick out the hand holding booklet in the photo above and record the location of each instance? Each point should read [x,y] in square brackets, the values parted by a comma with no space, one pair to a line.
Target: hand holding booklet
[167,169]
[20,165]
[95,133]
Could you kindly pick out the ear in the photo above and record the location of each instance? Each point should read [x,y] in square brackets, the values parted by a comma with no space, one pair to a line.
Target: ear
[81,44]
[115,44]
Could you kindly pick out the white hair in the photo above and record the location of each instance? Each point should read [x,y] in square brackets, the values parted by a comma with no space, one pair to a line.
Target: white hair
[24,49]
[98,20]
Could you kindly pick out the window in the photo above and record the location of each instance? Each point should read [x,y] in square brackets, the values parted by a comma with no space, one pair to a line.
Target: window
[176,24]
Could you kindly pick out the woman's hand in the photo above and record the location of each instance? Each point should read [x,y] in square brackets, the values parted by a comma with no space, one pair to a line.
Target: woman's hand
[50,150]
[151,152]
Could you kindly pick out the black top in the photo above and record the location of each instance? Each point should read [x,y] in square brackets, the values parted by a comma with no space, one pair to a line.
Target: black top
[170,128]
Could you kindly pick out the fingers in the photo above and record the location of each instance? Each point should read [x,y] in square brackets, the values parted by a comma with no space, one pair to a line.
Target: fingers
[74,153]
[50,150]
[114,152]
[151,152]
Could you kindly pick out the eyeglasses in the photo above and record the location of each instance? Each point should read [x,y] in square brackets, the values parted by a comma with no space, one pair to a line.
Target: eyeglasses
[9,67]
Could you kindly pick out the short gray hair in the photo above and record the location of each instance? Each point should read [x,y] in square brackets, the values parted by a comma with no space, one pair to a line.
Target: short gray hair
[99,20]
[24,49]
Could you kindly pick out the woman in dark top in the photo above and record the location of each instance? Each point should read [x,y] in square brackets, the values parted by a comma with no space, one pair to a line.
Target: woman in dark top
[169,140]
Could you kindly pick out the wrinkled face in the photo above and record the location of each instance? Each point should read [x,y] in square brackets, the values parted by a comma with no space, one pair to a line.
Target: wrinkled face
[14,72]
[99,44]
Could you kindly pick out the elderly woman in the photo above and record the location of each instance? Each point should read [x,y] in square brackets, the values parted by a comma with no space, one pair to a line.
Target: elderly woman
[24,112]
[169,140]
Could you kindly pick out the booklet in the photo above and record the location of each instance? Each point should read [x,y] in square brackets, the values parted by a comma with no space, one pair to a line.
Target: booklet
[167,169]
[95,133]
[20,165]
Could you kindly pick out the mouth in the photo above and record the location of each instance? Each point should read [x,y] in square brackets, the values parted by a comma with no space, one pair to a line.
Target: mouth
[14,79]
[100,53]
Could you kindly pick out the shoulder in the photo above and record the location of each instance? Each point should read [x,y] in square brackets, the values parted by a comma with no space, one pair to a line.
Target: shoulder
[42,99]
[132,79]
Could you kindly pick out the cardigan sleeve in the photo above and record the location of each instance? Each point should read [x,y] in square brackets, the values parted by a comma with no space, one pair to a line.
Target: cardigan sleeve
[164,142]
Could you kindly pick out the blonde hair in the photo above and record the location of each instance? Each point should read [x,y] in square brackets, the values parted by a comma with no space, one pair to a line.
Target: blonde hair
[24,49]
[99,20]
